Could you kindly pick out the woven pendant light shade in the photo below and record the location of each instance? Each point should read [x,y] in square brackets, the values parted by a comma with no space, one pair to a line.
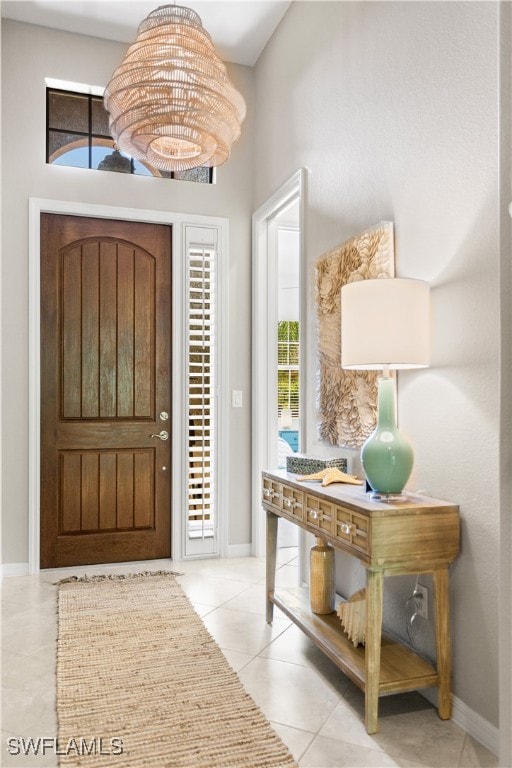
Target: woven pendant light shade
[170,101]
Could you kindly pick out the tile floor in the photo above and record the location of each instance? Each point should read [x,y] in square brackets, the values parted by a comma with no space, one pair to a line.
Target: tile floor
[316,710]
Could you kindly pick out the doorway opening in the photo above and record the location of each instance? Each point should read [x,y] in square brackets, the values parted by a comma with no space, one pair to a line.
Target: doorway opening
[285,260]
[279,339]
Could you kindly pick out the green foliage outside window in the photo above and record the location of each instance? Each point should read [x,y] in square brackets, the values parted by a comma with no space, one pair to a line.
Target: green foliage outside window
[288,393]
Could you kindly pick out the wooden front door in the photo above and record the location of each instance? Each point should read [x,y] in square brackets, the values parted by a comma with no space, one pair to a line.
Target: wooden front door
[105,391]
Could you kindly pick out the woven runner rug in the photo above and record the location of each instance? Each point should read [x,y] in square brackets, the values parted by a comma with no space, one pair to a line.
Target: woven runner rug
[140,682]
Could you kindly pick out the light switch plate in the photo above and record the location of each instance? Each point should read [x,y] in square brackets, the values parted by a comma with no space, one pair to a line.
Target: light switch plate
[236,398]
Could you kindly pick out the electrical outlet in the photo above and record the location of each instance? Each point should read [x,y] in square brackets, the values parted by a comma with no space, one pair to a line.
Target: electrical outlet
[421,595]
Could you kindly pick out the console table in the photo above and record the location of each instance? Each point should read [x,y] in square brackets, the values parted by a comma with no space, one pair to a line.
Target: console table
[420,535]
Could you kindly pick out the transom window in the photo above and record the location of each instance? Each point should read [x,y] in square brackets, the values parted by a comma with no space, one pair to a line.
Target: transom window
[77,135]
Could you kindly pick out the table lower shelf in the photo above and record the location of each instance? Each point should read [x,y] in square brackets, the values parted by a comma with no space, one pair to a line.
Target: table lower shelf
[400,668]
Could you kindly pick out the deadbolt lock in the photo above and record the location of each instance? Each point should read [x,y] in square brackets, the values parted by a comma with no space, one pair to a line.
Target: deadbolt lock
[164,416]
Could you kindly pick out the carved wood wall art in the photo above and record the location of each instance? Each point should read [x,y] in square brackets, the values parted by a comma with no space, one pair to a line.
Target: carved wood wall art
[347,400]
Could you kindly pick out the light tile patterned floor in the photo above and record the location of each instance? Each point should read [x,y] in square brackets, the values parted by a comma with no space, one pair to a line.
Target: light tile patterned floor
[316,710]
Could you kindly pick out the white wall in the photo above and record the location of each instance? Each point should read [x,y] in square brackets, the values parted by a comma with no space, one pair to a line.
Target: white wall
[29,54]
[505,668]
[393,108]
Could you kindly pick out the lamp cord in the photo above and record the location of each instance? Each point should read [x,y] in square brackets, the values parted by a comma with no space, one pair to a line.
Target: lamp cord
[412,607]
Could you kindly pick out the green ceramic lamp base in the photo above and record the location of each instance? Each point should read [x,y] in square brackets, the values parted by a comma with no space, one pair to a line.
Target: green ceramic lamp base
[387,457]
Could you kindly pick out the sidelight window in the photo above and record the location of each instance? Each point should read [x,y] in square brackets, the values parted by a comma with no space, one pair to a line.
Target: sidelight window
[201,385]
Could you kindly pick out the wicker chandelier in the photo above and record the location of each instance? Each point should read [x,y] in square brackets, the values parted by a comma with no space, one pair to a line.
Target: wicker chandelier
[170,101]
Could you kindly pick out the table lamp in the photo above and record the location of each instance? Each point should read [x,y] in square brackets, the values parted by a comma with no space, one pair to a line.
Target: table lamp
[385,325]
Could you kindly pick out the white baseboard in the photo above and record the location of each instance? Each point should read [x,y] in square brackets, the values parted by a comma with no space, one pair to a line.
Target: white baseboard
[479,728]
[473,723]
[239,550]
[13,569]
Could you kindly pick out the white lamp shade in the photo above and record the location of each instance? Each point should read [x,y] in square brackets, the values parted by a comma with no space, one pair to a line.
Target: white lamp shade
[385,323]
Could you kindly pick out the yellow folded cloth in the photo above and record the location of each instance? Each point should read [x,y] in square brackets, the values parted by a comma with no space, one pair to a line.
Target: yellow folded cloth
[332,475]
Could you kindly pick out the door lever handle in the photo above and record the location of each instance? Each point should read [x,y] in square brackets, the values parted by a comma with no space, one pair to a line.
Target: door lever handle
[163,435]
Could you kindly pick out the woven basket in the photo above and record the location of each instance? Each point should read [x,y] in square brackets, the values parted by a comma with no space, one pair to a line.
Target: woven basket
[298,464]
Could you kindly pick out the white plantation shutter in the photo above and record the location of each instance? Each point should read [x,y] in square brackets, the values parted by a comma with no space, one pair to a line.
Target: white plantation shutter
[288,368]
[201,391]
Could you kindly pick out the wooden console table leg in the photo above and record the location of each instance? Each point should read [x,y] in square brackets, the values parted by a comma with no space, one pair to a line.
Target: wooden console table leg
[442,626]
[271,562]
[372,653]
